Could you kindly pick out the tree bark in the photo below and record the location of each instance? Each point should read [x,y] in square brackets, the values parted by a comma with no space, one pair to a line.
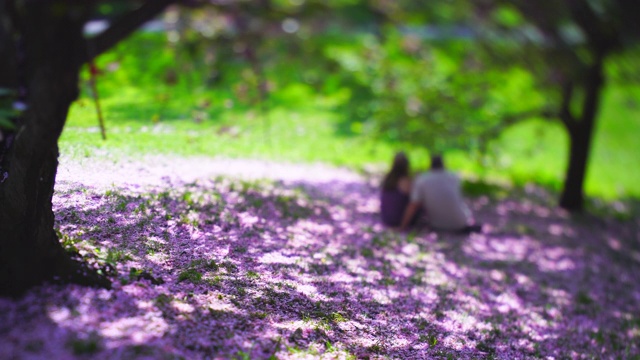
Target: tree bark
[580,137]
[51,51]
[29,248]
[123,27]
[572,197]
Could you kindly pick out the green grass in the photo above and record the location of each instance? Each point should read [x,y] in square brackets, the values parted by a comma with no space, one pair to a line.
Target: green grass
[145,115]
[300,135]
[537,150]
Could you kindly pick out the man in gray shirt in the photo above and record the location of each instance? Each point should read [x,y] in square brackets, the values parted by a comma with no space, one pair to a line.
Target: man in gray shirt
[438,193]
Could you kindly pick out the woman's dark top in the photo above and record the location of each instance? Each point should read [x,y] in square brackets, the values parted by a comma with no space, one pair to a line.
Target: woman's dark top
[392,206]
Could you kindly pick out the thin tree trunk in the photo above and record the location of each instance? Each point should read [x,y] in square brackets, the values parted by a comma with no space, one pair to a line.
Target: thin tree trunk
[580,139]
[572,197]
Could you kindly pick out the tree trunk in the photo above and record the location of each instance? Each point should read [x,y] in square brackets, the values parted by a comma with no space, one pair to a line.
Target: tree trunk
[29,248]
[572,197]
[51,49]
[580,137]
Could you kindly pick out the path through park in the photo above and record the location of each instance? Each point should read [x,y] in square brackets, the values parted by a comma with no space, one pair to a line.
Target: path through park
[250,260]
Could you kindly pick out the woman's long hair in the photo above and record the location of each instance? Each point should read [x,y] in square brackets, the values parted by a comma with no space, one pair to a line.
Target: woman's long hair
[399,170]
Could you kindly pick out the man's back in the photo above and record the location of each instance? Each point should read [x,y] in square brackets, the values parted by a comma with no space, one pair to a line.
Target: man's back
[438,191]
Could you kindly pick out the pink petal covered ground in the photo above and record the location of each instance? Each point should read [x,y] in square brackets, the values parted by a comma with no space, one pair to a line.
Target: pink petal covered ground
[207,261]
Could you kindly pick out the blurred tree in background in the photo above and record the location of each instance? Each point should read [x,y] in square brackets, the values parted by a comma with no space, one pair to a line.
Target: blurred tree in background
[433,85]
[565,45]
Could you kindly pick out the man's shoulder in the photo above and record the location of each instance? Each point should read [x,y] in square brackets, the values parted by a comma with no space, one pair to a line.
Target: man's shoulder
[435,176]
[431,174]
[422,177]
[450,174]
[425,179]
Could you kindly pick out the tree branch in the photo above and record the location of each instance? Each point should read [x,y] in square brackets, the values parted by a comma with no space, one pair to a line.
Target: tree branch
[601,35]
[124,26]
[512,119]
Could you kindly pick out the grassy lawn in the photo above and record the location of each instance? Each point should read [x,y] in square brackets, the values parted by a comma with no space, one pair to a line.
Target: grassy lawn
[144,114]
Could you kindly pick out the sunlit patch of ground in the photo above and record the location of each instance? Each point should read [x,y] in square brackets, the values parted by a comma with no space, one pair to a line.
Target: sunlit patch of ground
[298,267]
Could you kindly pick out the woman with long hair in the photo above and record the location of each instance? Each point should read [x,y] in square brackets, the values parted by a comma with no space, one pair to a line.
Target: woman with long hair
[396,188]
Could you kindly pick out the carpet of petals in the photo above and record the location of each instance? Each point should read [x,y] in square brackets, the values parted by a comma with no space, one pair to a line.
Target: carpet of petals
[241,259]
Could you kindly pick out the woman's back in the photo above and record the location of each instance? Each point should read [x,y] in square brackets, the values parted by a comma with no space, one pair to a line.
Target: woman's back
[396,187]
[392,206]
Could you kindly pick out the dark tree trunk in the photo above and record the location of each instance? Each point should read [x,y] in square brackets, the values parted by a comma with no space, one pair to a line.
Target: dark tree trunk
[45,50]
[29,248]
[572,197]
[580,136]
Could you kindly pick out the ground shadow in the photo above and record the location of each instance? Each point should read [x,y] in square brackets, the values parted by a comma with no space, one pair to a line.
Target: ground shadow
[230,268]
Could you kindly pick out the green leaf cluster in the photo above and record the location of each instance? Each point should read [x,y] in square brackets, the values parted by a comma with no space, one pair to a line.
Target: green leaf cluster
[442,94]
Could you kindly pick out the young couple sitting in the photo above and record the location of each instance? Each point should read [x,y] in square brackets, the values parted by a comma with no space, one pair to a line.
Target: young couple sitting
[435,195]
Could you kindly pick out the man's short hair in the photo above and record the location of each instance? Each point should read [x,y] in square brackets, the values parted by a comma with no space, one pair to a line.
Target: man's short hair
[437,163]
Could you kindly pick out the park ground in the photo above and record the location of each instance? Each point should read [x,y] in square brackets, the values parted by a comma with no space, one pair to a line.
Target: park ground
[247,259]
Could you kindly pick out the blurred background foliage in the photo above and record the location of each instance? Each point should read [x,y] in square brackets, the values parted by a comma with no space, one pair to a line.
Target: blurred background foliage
[350,82]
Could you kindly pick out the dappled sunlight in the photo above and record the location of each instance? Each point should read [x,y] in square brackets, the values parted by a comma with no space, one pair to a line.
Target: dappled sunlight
[277,257]
[547,258]
[498,249]
[614,243]
[556,259]
[59,314]
[297,268]
[139,329]
[507,302]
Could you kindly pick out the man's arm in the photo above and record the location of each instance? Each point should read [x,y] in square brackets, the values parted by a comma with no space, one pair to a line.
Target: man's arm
[409,213]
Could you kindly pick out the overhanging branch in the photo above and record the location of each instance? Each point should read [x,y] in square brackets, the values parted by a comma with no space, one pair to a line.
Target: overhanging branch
[124,26]
[512,119]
